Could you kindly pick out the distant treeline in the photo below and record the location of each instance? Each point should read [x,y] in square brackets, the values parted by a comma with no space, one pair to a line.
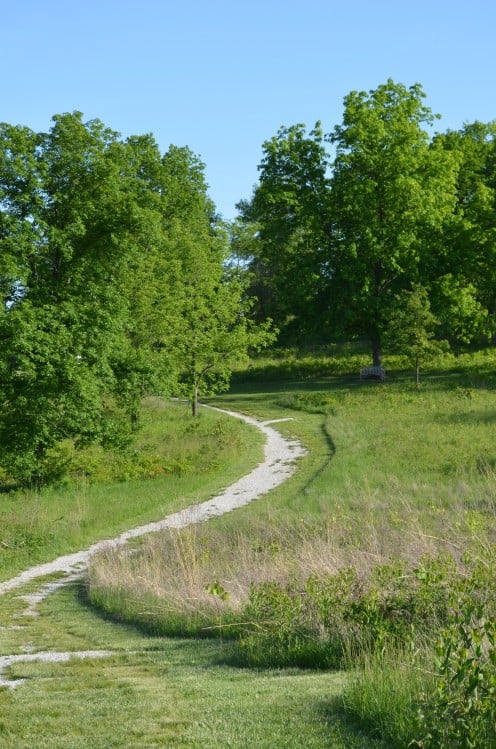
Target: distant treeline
[346,231]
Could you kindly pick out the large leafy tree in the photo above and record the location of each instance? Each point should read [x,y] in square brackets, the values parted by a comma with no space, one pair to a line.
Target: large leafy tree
[464,268]
[289,216]
[188,323]
[173,209]
[65,217]
[112,274]
[393,192]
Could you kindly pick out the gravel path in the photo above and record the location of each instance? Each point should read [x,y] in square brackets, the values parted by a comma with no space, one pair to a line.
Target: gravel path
[279,463]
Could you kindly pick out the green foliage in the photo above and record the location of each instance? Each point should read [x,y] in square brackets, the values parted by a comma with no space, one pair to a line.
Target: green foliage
[465,266]
[460,712]
[217,590]
[215,333]
[436,691]
[303,363]
[331,243]
[333,618]
[412,329]
[113,286]
[287,221]
[391,194]
[462,316]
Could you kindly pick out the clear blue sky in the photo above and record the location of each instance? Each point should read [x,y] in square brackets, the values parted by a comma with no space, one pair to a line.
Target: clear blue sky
[221,76]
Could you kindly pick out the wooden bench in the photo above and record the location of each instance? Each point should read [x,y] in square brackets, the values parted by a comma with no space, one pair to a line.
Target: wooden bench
[373,373]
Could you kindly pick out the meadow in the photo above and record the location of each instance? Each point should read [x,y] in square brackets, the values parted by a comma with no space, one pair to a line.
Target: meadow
[382,540]
[172,462]
[351,607]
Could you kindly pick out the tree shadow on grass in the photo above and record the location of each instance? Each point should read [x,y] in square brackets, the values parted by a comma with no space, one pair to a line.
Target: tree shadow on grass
[328,440]
[475,416]
[343,729]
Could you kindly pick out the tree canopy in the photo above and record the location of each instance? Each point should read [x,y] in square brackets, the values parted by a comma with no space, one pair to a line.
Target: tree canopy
[112,273]
[344,223]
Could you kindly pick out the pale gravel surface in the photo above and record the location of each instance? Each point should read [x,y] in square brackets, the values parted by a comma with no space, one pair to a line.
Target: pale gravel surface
[279,463]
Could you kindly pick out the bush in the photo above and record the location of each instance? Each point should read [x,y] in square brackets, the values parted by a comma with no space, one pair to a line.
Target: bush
[440,696]
[332,618]
[460,713]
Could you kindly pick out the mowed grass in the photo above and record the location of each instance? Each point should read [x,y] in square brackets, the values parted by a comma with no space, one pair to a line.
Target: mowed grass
[180,460]
[157,692]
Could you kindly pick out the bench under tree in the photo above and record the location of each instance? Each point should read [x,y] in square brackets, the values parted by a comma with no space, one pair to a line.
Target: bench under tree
[373,373]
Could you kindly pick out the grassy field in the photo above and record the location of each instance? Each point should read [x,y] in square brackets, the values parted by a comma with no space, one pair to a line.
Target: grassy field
[383,539]
[174,461]
[155,692]
[393,505]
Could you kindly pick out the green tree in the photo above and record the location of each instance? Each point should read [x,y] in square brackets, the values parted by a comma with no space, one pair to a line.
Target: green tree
[462,316]
[412,330]
[464,268]
[392,194]
[112,274]
[171,202]
[74,210]
[289,216]
[213,332]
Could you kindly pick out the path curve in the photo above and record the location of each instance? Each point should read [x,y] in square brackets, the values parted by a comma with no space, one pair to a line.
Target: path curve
[279,463]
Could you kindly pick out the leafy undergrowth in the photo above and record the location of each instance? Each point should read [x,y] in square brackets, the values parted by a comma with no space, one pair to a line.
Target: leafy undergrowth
[174,461]
[419,639]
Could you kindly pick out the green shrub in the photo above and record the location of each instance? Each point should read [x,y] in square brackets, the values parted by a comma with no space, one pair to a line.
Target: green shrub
[332,618]
[442,695]
[460,712]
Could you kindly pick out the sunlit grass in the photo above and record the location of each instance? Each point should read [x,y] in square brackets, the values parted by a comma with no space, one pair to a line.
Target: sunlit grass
[205,455]
[156,692]
[393,473]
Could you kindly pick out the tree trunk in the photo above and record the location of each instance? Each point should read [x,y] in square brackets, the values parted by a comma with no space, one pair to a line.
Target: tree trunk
[417,371]
[376,349]
[194,405]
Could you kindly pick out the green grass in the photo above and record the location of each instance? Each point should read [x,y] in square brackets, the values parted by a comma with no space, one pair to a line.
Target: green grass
[392,472]
[188,460]
[382,697]
[387,449]
[156,692]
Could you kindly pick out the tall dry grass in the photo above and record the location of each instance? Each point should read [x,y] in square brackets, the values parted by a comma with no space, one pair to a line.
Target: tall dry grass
[201,573]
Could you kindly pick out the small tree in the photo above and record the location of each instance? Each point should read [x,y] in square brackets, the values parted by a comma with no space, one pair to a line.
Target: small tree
[412,330]
[208,328]
[217,335]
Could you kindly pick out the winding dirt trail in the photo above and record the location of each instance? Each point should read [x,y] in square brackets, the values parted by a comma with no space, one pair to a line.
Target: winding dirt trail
[279,464]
